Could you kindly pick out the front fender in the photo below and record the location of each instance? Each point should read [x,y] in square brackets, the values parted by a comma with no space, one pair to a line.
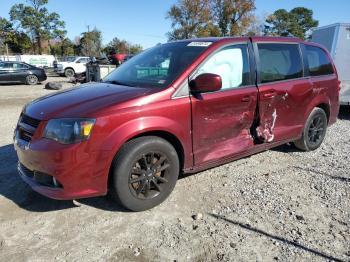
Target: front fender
[120,135]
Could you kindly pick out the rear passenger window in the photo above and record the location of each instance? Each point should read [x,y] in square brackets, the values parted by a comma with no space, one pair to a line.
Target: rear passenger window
[279,62]
[319,63]
[19,66]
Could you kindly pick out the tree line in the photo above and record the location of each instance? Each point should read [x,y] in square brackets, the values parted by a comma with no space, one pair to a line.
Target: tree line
[220,18]
[33,29]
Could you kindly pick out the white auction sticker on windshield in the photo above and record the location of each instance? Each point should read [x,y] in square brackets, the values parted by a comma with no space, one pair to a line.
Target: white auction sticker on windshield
[203,44]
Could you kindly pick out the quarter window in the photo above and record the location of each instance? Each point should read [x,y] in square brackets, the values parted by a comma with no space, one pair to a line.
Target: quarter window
[231,63]
[279,62]
[319,63]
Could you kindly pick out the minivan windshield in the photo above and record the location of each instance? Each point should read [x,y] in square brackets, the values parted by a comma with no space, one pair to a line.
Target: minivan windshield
[158,66]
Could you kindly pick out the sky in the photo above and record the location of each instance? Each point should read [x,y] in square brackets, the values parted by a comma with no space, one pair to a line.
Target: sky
[144,22]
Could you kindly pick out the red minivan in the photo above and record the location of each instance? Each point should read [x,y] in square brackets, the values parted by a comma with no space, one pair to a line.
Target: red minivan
[183,106]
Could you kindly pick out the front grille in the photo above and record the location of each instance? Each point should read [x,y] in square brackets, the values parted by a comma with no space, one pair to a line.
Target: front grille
[26,127]
[26,171]
[40,178]
[30,121]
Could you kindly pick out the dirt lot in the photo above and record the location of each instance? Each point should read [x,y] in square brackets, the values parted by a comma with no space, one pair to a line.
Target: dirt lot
[280,205]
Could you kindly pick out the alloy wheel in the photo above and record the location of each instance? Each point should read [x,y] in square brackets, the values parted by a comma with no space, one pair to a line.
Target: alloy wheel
[316,130]
[32,80]
[148,175]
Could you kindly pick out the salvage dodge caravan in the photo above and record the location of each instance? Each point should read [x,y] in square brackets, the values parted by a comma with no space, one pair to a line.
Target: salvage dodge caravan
[179,107]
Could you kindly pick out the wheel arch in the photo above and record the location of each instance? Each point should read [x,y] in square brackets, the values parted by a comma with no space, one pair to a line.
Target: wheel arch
[166,135]
[326,108]
[69,67]
[168,129]
[322,102]
[169,137]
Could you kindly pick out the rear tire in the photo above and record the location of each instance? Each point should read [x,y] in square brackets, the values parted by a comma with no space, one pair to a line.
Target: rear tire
[69,72]
[314,131]
[32,80]
[144,173]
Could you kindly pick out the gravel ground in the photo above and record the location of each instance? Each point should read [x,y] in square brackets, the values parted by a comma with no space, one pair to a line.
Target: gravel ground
[280,205]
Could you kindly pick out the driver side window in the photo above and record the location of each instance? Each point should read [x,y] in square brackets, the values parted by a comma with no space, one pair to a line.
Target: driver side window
[231,63]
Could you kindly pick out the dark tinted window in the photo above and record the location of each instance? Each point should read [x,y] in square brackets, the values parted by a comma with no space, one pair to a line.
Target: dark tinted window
[8,65]
[319,63]
[19,66]
[279,62]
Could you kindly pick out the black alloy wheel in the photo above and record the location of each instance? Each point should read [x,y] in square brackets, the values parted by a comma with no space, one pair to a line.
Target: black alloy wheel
[144,173]
[148,175]
[314,131]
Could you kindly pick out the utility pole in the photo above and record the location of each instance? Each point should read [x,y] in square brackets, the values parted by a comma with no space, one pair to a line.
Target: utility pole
[7,51]
[88,42]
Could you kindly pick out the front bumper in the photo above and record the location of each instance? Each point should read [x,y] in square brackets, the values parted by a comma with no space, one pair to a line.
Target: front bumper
[42,78]
[73,171]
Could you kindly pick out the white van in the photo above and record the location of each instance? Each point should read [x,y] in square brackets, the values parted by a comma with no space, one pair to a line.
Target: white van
[34,60]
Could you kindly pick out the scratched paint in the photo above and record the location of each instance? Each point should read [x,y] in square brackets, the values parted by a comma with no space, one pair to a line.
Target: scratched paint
[265,131]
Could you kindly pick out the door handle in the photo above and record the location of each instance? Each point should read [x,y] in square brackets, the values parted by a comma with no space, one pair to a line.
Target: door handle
[245,99]
[270,94]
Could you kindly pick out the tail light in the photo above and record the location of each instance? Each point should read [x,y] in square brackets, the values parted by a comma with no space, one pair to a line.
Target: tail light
[339,86]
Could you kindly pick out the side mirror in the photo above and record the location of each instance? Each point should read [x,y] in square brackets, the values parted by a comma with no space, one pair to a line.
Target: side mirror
[206,83]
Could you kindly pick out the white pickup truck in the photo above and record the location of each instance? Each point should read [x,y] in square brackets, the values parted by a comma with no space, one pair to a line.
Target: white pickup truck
[72,65]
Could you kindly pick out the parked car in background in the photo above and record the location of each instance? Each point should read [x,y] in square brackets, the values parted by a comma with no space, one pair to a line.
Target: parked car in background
[183,106]
[18,72]
[71,65]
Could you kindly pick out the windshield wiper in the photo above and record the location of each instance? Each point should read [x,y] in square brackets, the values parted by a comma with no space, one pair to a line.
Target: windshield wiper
[115,82]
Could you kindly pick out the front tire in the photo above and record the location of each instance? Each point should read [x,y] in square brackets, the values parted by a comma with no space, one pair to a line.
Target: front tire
[69,72]
[145,172]
[314,131]
[32,80]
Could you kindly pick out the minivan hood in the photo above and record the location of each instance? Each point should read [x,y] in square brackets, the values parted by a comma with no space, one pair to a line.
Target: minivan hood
[82,101]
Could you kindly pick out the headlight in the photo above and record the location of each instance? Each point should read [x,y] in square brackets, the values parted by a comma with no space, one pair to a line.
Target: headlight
[69,131]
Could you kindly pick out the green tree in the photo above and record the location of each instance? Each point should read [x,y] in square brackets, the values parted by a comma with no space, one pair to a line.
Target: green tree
[5,31]
[63,47]
[91,43]
[12,40]
[55,29]
[297,22]
[201,18]
[135,49]
[122,47]
[190,18]
[36,20]
[233,17]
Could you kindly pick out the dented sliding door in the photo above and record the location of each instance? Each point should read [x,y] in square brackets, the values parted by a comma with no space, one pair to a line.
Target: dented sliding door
[283,91]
